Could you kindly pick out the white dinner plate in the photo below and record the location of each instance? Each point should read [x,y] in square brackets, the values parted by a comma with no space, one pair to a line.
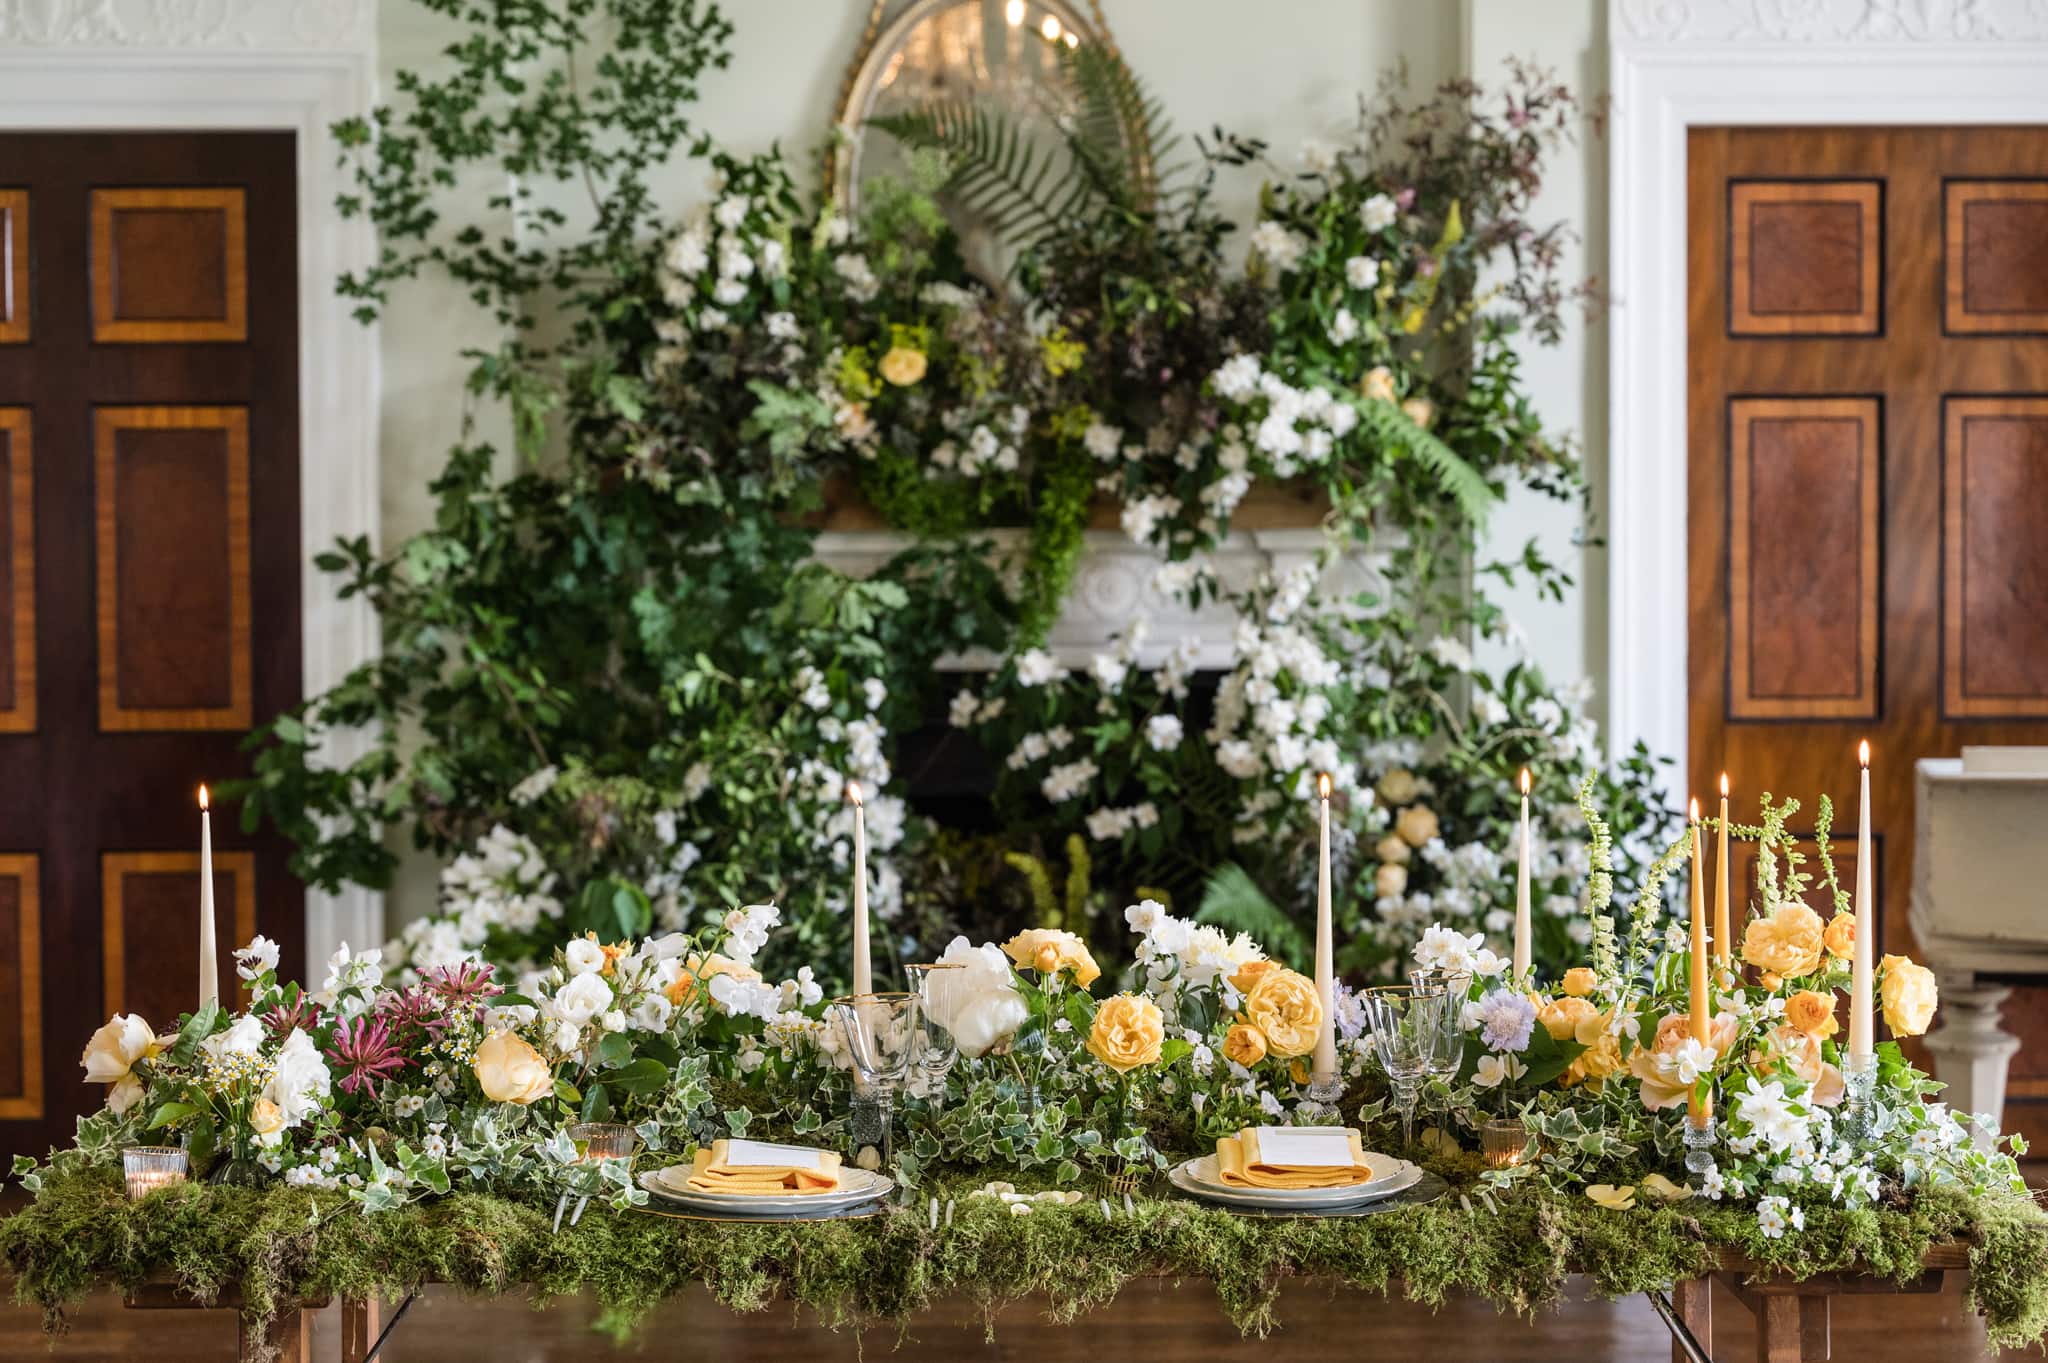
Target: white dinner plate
[856,1186]
[1183,1177]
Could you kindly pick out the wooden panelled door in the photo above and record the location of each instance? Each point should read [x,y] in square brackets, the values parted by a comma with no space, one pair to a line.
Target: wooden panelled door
[149,577]
[1868,493]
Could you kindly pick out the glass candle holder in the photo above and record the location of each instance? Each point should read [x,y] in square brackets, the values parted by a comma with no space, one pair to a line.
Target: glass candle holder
[1504,1141]
[147,1168]
[596,1141]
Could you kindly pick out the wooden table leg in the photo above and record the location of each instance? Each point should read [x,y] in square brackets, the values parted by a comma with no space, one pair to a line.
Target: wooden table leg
[288,1338]
[362,1319]
[1693,1301]
[1779,1336]
[1814,1341]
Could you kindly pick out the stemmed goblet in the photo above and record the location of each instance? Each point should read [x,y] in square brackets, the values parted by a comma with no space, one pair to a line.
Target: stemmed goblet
[1408,1025]
[937,1051]
[882,1036]
[1447,1055]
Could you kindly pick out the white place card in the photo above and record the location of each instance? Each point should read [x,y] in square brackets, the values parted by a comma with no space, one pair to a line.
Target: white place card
[1311,1146]
[746,1153]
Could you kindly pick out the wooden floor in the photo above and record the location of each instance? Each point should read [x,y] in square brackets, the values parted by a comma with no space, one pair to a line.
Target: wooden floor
[1156,1322]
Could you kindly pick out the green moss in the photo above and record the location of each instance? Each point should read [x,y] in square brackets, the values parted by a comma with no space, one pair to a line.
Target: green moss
[278,1244]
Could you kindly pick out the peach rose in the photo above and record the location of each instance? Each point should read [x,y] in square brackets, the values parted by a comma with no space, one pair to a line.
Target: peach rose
[1127,1033]
[1787,943]
[1390,881]
[1561,1017]
[1244,1044]
[1908,993]
[511,1071]
[1840,938]
[699,969]
[1580,981]
[1800,1053]
[1251,972]
[1392,851]
[1813,1013]
[1286,1009]
[1655,1065]
[1602,1057]
[1378,383]
[265,1117]
[903,365]
[1417,825]
[1049,951]
[1421,411]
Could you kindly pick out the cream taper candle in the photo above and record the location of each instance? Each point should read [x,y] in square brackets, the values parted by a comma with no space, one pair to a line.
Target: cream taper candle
[863,972]
[1702,1011]
[1724,937]
[1524,945]
[1862,1015]
[209,964]
[1324,1067]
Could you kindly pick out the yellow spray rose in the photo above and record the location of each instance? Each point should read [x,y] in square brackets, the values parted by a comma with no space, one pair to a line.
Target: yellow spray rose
[1285,1008]
[1909,996]
[902,366]
[1049,951]
[1813,1013]
[1417,825]
[1788,943]
[1841,936]
[1421,411]
[1127,1033]
[265,1117]
[512,1071]
[1251,972]
[1580,981]
[1390,881]
[1602,1057]
[1392,850]
[1562,1017]
[1399,786]
[1244,1044]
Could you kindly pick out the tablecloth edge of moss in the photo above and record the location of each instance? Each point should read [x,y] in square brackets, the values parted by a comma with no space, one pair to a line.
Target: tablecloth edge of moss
[278,1245]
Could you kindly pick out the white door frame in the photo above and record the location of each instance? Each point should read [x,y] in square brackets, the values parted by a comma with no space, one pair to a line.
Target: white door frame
[68,64]
[1678,64]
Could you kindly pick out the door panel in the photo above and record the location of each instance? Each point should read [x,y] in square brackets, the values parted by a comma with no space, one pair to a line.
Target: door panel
[1868,408]
[149,576]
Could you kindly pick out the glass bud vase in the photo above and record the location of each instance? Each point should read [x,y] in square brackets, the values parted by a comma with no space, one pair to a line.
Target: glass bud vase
[237,1167]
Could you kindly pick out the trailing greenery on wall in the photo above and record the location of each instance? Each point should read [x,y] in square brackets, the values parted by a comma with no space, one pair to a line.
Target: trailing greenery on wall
[617,691]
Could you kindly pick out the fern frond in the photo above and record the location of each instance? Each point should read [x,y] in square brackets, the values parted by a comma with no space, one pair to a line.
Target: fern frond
[999,174]
[1459,480]
[1118,123]
[1232,899]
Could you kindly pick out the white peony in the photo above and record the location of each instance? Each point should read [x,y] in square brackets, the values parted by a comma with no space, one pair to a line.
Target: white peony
[979,1003]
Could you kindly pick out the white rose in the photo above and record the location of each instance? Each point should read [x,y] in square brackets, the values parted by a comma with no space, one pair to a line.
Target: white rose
[585,956]
[241,1039]
[582,999]
[651,1013]
[301,1079]
[979,1004]
[614,1021]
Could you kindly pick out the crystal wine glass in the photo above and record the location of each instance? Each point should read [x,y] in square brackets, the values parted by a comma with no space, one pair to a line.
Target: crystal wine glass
[937,1051]
[882,1036]
[1447,1054]
[1407,1023]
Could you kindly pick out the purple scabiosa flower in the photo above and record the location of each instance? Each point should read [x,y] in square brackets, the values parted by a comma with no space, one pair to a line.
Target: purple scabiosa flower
[1505,1020]
[364,1054]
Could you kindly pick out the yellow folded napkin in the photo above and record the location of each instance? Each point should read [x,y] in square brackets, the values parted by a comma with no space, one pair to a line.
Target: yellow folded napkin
[1287,1157]
[756,1167]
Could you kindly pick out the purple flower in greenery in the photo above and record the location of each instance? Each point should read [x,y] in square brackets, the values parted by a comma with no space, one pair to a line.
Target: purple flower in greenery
[1505,1020]
[364,1053]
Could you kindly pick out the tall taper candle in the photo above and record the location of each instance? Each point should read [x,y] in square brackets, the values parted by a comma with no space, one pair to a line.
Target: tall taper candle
[1862,1019]
[863,973]
[1523,933]
[209,965]
[1724,938]
[1324,1068]
[1701,1008]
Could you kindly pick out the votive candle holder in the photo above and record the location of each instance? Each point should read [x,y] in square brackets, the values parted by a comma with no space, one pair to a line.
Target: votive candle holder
[146,1168]
[1504,1141]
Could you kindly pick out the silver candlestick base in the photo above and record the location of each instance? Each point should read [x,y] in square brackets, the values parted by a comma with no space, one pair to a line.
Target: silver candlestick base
[1859,1099]
[1699,1145]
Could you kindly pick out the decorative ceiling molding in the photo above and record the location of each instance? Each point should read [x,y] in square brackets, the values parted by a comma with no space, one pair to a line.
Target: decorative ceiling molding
[185,25]
[1651,23]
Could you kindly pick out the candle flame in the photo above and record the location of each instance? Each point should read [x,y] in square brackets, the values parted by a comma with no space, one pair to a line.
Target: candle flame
[853,791]
[1051,29]
[1695,815]
[1525,780]
[1863,752]
[1724,785]
[1323,784]
[202,798]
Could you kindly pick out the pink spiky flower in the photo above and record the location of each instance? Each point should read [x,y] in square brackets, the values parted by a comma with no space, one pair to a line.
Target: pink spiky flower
[465,984]
[363,1051]
[304,1014]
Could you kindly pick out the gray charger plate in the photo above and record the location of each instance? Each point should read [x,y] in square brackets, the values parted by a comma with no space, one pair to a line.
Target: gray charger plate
[1428,1189]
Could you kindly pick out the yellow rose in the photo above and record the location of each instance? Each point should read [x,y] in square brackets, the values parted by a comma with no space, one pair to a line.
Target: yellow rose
[1421,411]
[1602,1057]
[1251,972]
[1908,992]
[902,366]
[1127,1032]
[1244,1044]
[1417,825]
[1813,1013]
[1841,936]
[699,969]
[1390,881]
[512,1071]
[1770,980]
[1392,851]
[1048,951]
[1613,1198]
[1399,786]
[1787,943]
[1580,981]
[1562,1017]
[1284,1006]
[1664,1190]
[265,1117]
[1378,383]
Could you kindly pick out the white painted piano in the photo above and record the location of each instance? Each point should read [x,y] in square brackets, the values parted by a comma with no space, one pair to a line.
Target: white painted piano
[1980,906]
